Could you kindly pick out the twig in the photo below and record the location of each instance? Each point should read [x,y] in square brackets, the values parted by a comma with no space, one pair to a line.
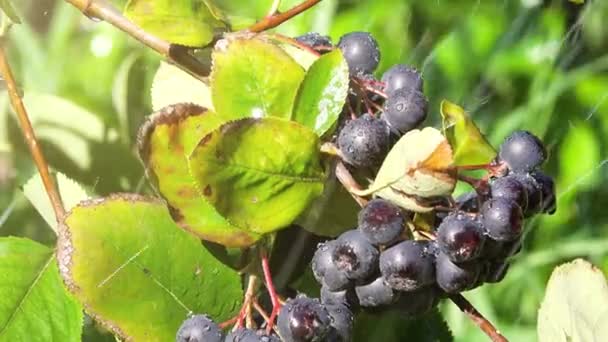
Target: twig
[486,326]
[274,297]
[245,313]
[349,182]
[30,137]
[276,20]
[101,9]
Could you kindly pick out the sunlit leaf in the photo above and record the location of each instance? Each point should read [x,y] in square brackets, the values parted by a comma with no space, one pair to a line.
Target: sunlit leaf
[260,174]
[323,93]
[469,145]
[34,305]
[165,141]
[172,85]
[253,78]
[137,273]
[574,307]
[185,22]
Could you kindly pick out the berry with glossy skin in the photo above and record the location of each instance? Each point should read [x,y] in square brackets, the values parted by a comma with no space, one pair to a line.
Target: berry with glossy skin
[401,76]
[495,271]
[303,319]
[248,335]
[468,202]
[199,328]
[455,278]
[345,297]
[314,39]
[535,195]
[355,256]
[376,293]
[546,186]
[324,269]
[341,323]
[522,151]
[360,51]
[408,266]
[460,237]
[511,188]
[416,303]
[502,219]
[381,222]
[365,141]
[405,109]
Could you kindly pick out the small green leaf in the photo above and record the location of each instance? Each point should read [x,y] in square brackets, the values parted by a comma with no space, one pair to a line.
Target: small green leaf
[172,85]
[574,307]
[259,173]
[137,273]
[253,78]
[71,194]
[408,176]
[469,144]
[185,22]
[9,10]
[165,141]
[323,93]
[34,305]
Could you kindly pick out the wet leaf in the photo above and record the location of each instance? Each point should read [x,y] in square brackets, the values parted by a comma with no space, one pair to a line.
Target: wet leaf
[574,307]
[186,22]
[322,93]
[253,78]
[165,141]
[418,168]
[137,273]
[470,146]
[34,305]
[260,174]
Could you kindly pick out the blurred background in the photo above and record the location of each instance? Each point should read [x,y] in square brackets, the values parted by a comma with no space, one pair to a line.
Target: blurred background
[521,64]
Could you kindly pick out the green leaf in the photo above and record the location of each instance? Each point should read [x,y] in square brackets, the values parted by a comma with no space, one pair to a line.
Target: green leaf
[574,307]
[185,22]
[71,194]
[34,305]
[390,326]
[172,85]
[9,10]
[323,93]
[409,176]
[137,273]
[470,146]
[165,141]
[259,173]
[253,78]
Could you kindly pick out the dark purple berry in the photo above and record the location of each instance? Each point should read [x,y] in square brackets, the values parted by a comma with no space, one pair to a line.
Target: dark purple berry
[522,151]
[546,187]
[495,271]
[455,278]
[303,319]
[405,109]
[355,256]
[534,191]
[341,323]
[460,237]
[364,141]
[360,51]
[324,269]
[381,222]
[314,40]
[376,293]
[401,76]
[248,335]
[199,328]
[511,188]
[346,297]
[416,303]
[468,202]
[408,266]
[502,219]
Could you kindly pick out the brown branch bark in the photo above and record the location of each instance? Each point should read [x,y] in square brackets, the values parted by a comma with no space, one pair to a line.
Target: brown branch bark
[101,9]
[486,326]
[279,18]
[30,137]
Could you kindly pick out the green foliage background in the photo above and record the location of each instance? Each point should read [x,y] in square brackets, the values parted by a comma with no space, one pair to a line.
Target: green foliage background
[528,64]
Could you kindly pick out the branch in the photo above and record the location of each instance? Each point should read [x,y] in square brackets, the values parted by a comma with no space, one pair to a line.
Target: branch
[101,9]
[279,18]
[486,326]
[30,137]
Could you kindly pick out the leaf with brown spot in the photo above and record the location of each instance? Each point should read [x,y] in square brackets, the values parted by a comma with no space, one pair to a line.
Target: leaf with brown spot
[165,140]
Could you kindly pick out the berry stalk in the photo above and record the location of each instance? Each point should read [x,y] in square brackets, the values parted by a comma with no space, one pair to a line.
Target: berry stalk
[486,326]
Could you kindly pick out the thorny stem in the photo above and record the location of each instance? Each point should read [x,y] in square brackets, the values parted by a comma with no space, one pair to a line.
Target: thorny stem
[30,138]
[486,326]
[274,297]
[101,9]
[279,18]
